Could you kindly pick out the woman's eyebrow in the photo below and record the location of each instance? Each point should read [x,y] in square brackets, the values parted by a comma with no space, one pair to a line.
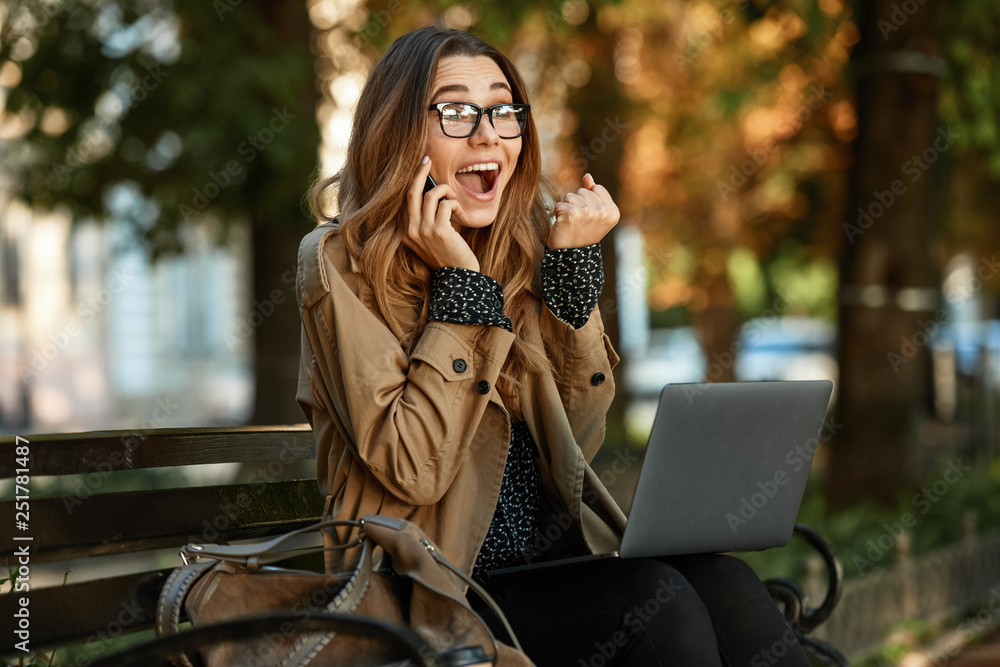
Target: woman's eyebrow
[460,88]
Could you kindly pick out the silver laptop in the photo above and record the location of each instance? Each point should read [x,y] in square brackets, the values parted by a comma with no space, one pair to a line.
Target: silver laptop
[725,469]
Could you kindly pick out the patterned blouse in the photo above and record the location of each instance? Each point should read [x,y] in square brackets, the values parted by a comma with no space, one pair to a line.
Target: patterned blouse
[572,280]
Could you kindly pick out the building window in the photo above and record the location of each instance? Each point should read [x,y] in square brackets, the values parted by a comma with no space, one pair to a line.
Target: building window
[10,289]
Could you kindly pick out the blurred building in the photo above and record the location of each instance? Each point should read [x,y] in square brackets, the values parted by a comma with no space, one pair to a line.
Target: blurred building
[95,336]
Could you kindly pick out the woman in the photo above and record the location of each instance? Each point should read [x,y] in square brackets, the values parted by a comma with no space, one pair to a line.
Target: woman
[456,372]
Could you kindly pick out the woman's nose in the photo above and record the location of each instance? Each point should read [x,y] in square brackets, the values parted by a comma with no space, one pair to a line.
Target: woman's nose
[485,133]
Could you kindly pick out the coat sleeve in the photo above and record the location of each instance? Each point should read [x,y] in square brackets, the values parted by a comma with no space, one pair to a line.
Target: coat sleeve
[583,360]
[411,418]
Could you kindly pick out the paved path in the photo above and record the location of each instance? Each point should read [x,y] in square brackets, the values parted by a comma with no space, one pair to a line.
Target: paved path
[986,654]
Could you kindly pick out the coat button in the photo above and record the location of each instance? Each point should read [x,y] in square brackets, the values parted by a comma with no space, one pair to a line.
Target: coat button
[483,387]
[459,365]
[597,379]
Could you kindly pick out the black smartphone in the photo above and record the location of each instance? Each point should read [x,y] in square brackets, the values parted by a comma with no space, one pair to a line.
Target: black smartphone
[429,184]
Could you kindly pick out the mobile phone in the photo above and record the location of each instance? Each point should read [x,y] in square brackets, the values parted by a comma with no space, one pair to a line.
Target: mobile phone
[429,184]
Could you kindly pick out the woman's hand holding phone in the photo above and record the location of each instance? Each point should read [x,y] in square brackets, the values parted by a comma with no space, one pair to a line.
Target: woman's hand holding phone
[430,231]
[583,217]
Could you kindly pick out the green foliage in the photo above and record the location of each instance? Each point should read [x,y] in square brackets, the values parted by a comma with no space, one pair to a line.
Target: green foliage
[970,94]
[163,96]
[864,535]
[810,283]
[84,654]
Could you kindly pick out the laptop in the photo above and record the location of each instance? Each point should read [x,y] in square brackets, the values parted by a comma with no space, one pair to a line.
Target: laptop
[725,469]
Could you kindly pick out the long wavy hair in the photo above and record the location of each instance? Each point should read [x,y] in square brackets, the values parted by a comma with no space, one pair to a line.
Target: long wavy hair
[388,139]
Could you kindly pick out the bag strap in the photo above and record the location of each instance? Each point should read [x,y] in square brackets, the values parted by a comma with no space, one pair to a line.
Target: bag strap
[307,646]
[157,651]
[398,525]
[264,553]
[480,591]
[172,596]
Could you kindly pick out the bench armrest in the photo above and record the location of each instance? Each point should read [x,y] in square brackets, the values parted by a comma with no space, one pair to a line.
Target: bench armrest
[794,603]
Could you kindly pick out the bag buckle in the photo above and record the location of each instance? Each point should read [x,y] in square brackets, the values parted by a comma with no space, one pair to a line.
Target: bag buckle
[192,547]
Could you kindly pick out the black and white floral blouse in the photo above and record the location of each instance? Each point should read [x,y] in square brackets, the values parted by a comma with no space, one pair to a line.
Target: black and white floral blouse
[572,280]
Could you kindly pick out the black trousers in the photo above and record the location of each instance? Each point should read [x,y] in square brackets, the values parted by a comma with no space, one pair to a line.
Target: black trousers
[702,611]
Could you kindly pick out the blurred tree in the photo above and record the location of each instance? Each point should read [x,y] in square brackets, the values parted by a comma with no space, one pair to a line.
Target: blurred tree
[206,110]
[888,280]
[740,114]
[970,102]
[600,107]
[928,158]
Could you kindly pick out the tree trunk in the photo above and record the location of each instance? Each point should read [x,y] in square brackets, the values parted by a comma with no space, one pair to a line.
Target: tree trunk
[276,349]
[717,326]
[599,140]
[887,278]
[275,255]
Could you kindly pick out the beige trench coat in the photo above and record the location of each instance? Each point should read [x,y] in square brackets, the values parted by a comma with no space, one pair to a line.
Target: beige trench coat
[425,437]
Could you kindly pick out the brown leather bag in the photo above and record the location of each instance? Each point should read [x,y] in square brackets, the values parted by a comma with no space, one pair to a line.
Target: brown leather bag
[226,582]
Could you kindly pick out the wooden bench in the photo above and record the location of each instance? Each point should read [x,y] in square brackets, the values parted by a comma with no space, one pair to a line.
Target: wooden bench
[89,524]
[86,522]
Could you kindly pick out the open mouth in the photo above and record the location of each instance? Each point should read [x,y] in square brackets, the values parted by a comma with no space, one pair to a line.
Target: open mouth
[479,179]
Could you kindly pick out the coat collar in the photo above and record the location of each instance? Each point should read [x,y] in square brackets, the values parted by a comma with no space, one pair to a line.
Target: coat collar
[352,261]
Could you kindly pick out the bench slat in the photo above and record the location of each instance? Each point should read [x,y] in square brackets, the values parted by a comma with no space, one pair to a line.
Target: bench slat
[105,451]
[111,523]
[92,611]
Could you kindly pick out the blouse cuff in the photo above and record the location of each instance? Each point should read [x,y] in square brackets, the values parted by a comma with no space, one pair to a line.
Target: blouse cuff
[463,296]
[572,280]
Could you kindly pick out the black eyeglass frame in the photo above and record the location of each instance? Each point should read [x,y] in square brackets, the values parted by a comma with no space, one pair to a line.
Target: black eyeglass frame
[480,111]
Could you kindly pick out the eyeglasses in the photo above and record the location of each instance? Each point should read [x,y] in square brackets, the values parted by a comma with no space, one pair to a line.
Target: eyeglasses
[461,119]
